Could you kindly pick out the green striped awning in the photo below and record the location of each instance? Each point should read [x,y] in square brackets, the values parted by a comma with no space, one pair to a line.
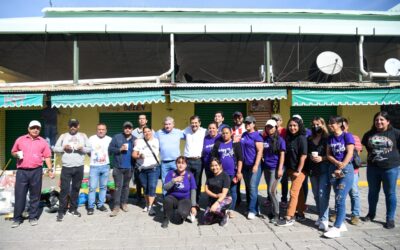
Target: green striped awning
[330,97]
[226,94]
[106,98]
[21,100]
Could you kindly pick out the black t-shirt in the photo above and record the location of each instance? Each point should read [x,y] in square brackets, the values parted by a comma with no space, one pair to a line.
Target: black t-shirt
[383,148]
[296,146]
[312,167]
[216,184]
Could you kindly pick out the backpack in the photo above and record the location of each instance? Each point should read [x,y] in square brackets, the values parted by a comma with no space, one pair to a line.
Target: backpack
[356,158]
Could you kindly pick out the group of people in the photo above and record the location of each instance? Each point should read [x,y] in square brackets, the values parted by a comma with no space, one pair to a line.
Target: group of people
[325,154]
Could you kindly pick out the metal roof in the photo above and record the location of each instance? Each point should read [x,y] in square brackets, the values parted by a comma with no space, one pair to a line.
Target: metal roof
[206,21]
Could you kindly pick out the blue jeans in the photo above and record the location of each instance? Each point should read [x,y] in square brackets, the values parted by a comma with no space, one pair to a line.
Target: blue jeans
[98,177]
[324,191]
[166,166]
[252,180]
[355,197]
[341,187]
[233,193]
[388,178]
[149,178]
[50,133]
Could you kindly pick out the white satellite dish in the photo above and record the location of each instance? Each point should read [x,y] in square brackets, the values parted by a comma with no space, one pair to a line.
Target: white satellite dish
[329,63]
[392,67]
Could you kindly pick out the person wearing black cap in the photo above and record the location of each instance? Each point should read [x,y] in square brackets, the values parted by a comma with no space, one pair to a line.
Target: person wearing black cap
[121,147]
[73,146]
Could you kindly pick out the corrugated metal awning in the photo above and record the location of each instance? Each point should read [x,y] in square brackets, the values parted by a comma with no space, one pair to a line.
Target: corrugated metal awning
[328,97]
[226,94]
[106,98]
[21,100]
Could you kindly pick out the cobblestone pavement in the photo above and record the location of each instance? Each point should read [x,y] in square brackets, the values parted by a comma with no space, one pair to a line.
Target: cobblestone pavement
[137,230]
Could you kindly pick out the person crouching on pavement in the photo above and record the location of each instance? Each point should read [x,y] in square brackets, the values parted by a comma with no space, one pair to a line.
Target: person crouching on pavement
[30,150]
[74,146]
[181,193]
[217,188]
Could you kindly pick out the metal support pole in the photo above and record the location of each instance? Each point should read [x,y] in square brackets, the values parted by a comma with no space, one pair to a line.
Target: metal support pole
[267,61]
[76,61]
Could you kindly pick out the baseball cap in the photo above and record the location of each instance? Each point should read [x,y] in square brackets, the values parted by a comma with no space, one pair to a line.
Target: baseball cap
[250,119]
[34,123]
[127,124]
[237,113]
[73,122]
[297,116]
[271,122]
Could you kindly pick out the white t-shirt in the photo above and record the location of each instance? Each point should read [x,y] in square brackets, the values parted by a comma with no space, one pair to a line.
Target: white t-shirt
[194,141]
[99,153]
[142,148]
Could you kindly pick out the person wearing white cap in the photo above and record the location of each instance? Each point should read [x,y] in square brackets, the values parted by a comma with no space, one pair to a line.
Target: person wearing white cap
[30,150]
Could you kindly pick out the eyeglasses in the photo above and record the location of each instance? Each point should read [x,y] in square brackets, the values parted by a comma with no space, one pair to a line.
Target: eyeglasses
[34,127]
[73,125]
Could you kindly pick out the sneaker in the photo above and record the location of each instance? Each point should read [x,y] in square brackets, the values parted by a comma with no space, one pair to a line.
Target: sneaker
[224,221]
[60,217]
[369,218]
[230,213]
[333,232]
[270,216]
[165,223]
[343,228]
[300,217]
[102,209]
[75,213]
[274,220]
[152,212]
[33,222]
[192,218]
[124,207]
[145,209]
[332,218]
[285,223]
[354,220]
[90,211]
[251,216]
[389,224]
[114,212]
[15,224]
[283,204]
[317,223]
[324,226]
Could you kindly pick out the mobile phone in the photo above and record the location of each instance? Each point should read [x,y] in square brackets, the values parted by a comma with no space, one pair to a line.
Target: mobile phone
[235,180]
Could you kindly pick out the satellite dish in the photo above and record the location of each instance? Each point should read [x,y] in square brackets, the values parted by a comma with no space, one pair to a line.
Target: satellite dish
[392,67]
[329,63]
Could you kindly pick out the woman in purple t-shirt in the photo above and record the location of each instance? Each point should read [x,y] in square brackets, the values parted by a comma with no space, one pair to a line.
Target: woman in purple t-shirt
[181,193]
[340,154]
[252,148]
[272,164]
[208,145]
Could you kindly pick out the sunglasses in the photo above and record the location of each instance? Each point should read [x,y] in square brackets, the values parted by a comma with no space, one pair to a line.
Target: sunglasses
[34,127]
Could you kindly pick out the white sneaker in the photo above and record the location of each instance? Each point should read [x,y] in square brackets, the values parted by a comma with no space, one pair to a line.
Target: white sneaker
[145,209]
[323,225]
[251,216]
[343,228]
[333,232]
[192,218]
[152,212]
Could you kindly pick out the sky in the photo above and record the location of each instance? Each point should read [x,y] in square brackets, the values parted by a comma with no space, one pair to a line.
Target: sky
[30,8]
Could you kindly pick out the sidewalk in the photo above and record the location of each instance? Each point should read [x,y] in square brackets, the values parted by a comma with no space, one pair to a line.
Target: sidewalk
[137,230]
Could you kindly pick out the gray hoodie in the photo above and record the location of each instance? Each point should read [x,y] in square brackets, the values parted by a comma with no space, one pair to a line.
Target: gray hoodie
[75,158]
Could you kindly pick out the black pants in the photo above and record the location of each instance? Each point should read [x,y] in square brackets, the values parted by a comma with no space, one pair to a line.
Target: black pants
[285,187]
[195,167]
[136,180]
[27,179]
[121,176]
[71,181]
[182,207]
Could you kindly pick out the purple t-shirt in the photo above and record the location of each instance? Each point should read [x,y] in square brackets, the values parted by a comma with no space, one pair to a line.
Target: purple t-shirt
[248,143]
[227,158]
[338,144]
[181,190]
[271,160]
[207,148]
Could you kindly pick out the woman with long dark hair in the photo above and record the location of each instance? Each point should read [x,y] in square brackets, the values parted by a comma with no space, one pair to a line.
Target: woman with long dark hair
[272,164]
[340,155]
[208,144]
[382,142]
[296,154]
